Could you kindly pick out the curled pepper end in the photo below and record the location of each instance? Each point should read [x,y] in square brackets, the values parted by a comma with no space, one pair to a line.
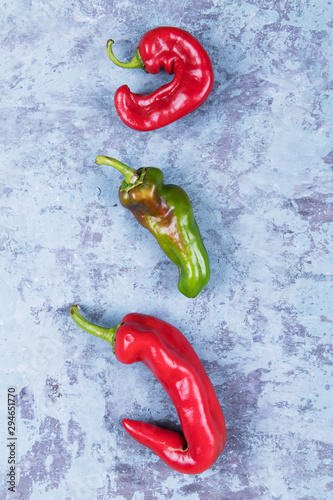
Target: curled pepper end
[136,62]
[108,334]
[169,445]
[154,437]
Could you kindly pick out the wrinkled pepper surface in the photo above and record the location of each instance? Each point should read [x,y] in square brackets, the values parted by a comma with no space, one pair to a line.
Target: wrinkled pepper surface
[179,53]
[173,361]
[166,211]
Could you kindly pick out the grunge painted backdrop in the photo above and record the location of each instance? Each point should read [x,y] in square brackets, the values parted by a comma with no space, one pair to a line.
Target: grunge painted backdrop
[256,160]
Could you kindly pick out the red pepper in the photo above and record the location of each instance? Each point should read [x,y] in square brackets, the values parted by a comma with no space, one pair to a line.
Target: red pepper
[171,358]
[179,53]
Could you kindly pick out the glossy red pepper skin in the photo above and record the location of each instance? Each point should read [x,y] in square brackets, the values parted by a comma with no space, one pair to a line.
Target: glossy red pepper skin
[179,53]
[173,361]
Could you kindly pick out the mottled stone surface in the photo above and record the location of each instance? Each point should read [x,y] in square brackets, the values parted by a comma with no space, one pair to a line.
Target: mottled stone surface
[256,160]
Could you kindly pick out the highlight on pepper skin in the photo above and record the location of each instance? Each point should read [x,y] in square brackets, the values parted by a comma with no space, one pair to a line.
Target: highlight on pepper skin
[179,53]
[173,361]
[166,211]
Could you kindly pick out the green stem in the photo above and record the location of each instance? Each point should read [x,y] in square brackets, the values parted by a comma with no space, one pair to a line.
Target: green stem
[129,174]
[108,334]
[136,62]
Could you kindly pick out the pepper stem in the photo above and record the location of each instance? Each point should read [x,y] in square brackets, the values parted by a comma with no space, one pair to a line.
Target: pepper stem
[129,174]
[136,62]
[108,334]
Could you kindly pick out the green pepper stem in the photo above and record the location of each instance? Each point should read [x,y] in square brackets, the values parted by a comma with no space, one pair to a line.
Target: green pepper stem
[129,174]
[108,334]
[136,62]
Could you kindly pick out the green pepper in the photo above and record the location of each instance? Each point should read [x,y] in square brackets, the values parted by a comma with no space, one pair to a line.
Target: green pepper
[166,211]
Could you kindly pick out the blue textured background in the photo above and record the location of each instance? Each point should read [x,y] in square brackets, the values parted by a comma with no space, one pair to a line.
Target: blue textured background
[256,160]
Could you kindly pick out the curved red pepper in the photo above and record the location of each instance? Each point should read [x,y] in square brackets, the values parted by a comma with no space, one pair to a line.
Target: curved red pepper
[171,358]
[178,52]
